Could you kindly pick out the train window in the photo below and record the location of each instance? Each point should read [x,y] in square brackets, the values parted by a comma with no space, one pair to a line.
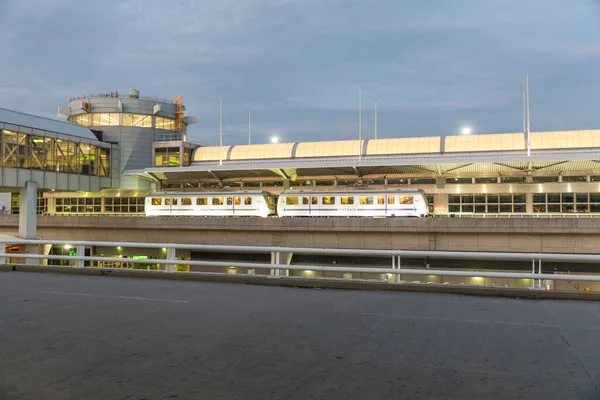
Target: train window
[201,201]
[168,201]
[406,199]
[230,201]
[380,199]
[217,201]
[366,199]
[156,201]
[186,201]
[238,201]
[291,200]
[174,200]
[391,199]
[329,200]
[347,200]
[248,201]
[314,200]
[270,200]
[305,200]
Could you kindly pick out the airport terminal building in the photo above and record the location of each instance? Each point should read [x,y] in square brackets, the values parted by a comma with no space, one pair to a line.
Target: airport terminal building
[110,151]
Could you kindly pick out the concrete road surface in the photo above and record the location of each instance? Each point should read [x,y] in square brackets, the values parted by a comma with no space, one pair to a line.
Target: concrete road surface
[93,337]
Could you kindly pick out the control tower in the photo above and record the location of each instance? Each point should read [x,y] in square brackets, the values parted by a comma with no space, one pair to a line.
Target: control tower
[137,124]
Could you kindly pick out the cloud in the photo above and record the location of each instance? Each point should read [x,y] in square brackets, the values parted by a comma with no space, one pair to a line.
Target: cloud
[298,63]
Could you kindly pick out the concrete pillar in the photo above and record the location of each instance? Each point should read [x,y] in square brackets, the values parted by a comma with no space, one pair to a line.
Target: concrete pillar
[440,201]
[171,255]
[79,253]
[440,182]
[286,184]
[28,210]
[529,202]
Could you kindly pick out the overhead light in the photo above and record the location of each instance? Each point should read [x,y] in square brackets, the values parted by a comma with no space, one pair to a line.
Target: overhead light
[466,130]
[274,139]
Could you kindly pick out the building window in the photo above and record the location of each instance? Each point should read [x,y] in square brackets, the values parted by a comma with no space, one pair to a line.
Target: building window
[139,120]
[487,203]
[167,124]
[166,157]
[105,119]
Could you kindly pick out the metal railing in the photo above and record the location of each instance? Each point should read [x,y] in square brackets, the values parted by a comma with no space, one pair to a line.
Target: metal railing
[275,267]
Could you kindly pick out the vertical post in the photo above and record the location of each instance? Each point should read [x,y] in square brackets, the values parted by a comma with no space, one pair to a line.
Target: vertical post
[540,272]
[533,273]
[375,119]
[272,272]
[528,124]
[394,267]
[80,252]
[171,256]
[220,130]
[249,131]
[359,123]
[28,210]
[277,261]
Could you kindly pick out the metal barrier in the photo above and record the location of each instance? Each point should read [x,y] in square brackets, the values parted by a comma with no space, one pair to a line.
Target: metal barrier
[171,262]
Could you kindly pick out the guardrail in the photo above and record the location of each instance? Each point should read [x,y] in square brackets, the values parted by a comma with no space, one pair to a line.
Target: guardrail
[275,268]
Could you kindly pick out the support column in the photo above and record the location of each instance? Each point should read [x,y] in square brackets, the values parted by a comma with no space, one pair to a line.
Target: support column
[440,202]
[529,203]
[171,255]
[80,252]
[28,210]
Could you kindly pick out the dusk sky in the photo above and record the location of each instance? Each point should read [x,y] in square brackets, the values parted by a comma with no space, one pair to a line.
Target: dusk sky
[432,65]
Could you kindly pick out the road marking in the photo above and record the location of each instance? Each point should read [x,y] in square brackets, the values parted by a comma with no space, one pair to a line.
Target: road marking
[118,297]
[483,321]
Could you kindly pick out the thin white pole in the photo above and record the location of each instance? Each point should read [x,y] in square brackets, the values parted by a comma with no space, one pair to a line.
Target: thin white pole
[528,118]
[359,122]
[220,130]
[375,119]
[525,117]
[249,134]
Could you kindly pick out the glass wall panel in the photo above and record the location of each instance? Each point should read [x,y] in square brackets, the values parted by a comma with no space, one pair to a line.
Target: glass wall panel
[165,123]
[144,121]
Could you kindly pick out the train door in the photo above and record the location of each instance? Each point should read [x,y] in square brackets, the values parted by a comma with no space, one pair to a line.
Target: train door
[314,203]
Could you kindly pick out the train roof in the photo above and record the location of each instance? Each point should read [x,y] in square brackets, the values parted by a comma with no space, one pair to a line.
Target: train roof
[353,191]
[230,193]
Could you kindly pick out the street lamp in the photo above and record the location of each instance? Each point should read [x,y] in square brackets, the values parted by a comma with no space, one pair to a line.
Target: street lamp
[274,139]
[466,130]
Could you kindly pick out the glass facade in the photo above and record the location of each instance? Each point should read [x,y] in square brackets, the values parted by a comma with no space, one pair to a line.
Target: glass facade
[19,150]
[84,205]
[125,119]
[566,203]
[487,203]
[167,157]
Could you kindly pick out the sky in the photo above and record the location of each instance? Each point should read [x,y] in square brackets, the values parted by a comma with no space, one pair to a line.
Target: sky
[433,66]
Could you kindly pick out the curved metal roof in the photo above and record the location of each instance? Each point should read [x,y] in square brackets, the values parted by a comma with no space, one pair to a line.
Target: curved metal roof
[494,143]
[46,124]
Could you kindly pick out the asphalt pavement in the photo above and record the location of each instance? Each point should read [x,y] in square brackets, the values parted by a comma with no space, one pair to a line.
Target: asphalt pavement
[97,337]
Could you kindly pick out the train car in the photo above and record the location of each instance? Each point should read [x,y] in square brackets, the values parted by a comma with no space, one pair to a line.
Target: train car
[213,204]
[352,203]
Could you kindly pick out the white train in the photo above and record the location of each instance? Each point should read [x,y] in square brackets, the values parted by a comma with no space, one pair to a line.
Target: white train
[217,204]
[356,203]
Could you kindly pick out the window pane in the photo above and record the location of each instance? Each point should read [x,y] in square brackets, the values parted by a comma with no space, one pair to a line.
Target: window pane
[314,200]
[167,201]
[553,208]
[305,200]
[568,197]
[594,197]
[480,199]
[175,200]
[505,208]
[201,201]
[391,199]
[582,208]
[406,200]
[492,198]
[347,200]
[230,201]
[519,208]
[594,208]
[453,198]
[467,208]
[519,198]
[539,208]
[568,208]
[186,201]
[492,208]
[217,201]
[480,208]
[156,201]
[454,208]
[330,200]
[582,197]
[467,199]
[366,199]
[291,200]
[248,201]
[539,197]
[237,201]
[506,198]
[554,198]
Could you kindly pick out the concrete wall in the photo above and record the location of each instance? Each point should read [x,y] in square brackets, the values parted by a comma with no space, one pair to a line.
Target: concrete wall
[552,235]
